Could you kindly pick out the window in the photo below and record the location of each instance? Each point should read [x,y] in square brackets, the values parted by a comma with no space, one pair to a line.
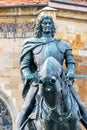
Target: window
[5,117]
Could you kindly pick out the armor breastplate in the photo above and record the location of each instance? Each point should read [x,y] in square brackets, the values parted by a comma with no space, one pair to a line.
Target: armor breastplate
[42,52]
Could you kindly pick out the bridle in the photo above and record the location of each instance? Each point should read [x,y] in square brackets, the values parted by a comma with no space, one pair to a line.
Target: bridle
[49,109]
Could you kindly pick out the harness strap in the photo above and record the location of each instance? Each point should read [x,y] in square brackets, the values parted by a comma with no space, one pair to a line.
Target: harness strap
[38,115]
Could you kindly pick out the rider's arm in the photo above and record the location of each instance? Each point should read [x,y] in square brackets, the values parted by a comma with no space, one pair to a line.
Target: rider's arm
[70,63]
[26,65]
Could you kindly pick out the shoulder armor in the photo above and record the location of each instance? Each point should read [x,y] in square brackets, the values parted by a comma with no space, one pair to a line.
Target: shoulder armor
[63,46]
[33,40]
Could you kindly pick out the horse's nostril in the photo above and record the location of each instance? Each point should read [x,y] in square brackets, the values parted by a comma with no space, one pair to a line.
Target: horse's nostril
[53,79]
[41,80]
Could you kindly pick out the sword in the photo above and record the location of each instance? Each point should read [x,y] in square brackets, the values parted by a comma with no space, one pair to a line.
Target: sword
[80,76]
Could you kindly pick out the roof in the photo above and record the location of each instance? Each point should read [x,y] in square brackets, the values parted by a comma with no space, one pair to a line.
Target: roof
[82,1]
[69,5]
[34,2]
[21,2]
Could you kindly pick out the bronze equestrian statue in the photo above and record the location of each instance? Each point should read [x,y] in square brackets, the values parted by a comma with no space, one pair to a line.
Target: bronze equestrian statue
[55,107]
[34,52]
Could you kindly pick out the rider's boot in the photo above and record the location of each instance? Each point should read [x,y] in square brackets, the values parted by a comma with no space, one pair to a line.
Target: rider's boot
[82,107]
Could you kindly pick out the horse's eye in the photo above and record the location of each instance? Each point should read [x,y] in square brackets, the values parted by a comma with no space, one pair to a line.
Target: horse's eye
[53,79]
[41,80]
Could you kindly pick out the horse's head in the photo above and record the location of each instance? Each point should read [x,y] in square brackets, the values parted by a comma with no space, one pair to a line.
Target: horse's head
[49,82]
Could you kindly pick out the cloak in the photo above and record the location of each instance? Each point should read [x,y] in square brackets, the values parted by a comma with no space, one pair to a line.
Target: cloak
[30,44]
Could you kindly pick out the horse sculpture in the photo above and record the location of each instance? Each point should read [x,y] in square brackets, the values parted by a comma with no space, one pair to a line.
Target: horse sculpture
[56,107]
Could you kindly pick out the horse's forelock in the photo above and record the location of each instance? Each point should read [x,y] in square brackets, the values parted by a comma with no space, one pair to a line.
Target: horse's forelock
[51,67]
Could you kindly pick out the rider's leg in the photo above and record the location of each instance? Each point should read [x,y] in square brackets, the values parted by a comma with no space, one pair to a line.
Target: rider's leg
[27,106]
[82,107]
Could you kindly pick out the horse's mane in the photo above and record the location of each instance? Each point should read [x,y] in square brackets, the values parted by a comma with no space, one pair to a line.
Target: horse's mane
[51,67]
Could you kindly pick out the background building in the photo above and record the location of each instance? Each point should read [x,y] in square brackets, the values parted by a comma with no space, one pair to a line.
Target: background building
[17,22]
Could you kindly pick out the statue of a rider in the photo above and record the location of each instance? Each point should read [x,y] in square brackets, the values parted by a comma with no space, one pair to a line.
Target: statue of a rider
[34,53]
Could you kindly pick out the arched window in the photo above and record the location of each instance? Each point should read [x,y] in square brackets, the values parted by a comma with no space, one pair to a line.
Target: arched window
[8,112]
[5,117]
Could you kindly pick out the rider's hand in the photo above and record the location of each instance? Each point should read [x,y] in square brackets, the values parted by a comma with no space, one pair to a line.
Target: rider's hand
[29,76]
[70,74]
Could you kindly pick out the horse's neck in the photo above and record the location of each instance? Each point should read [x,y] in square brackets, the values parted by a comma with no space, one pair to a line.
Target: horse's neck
[65,90]
[58,103]
[62,96]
